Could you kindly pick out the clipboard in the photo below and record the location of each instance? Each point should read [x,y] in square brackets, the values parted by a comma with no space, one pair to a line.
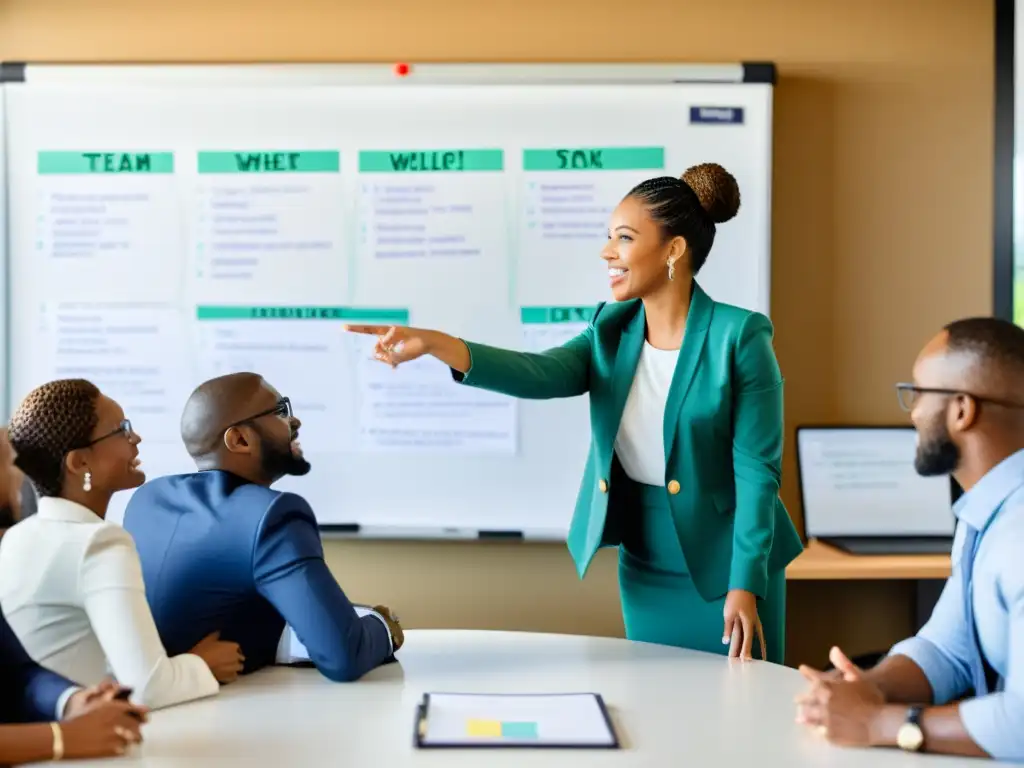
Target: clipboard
[513,721]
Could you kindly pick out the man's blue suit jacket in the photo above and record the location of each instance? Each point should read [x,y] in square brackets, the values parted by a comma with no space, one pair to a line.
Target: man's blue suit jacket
[28,693]
[221,553]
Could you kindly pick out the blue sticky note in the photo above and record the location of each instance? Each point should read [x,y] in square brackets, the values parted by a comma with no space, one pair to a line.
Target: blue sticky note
[515,730]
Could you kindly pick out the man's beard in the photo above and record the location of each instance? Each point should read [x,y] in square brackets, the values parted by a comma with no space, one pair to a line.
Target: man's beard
[277,461]
[936,454]
[7,516]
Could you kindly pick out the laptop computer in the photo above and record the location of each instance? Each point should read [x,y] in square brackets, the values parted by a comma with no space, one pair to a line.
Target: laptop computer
[860,492]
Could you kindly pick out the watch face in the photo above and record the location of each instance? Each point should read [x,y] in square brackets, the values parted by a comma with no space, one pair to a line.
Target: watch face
[910,737]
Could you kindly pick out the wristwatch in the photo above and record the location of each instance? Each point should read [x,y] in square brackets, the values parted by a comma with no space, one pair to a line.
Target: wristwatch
[910,737]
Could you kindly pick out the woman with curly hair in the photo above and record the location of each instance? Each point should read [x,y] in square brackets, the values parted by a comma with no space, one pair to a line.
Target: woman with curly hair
[70,582]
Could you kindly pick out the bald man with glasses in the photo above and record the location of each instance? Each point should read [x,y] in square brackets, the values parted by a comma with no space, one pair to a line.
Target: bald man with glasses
[220,549]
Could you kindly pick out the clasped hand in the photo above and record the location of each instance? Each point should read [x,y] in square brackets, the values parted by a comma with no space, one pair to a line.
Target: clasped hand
[843,705]
[97,722]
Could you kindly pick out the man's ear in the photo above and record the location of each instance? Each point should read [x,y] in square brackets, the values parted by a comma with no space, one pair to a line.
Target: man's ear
[964,413]
[238,440]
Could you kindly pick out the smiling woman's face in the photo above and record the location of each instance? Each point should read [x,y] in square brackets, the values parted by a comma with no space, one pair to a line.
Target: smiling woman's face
[113,456]
[637,252]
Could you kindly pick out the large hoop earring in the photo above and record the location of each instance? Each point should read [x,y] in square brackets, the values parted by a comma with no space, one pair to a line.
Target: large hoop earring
[671,271]
[87,482]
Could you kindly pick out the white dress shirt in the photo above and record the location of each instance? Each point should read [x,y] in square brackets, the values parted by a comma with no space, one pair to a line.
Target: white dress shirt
[71,588]
[640,444]
[291,650]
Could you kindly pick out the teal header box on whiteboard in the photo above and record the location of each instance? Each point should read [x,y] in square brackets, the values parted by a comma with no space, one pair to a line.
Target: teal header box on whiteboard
[594,159]
[431,161]
[540,315]
[384,316]
[270,161]
[64,162]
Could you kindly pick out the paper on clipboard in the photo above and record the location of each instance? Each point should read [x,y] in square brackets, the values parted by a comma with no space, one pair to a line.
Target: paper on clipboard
[570,720]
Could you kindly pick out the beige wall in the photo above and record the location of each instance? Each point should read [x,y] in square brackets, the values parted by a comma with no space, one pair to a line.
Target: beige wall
[882,216]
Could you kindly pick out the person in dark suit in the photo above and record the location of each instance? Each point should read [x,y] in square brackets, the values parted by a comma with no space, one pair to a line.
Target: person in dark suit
[44,716]
[221,550]
[12,486]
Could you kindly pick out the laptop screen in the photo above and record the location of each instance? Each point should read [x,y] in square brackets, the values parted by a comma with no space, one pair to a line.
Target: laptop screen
[860,481]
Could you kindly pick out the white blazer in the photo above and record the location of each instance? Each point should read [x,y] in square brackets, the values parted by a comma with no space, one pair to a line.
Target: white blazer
[71,588]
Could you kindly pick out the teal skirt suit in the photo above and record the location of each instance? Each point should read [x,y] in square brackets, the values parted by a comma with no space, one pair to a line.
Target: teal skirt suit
[717,523]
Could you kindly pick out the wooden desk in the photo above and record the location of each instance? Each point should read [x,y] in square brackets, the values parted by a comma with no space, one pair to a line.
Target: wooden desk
[823,562]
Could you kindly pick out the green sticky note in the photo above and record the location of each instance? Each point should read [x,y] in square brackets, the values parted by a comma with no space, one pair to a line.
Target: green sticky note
[98,161]
[337,314]
[431,161]
[270,161]
[594,159]
[540,315]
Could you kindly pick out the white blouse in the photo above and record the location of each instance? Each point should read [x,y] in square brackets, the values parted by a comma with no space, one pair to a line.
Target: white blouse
[640,443]
[71,588]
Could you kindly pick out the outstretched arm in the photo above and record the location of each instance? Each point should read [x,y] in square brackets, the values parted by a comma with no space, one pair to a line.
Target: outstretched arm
[562,371]
[290,572]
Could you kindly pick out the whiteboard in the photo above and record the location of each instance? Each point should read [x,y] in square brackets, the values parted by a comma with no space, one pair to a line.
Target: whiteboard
[169,224]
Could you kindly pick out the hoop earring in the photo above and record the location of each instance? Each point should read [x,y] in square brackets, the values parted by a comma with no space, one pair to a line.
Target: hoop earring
[671,271]
[87,482]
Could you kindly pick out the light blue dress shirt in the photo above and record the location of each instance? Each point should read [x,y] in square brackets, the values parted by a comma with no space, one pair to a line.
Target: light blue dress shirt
[943,648]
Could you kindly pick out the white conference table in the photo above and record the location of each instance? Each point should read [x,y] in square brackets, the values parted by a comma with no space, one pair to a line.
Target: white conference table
[669,707]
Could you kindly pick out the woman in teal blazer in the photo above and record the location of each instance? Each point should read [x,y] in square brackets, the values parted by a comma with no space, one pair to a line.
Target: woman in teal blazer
[686,420]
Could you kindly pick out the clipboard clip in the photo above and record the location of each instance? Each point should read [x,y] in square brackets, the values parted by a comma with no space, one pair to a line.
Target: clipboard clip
[421,723]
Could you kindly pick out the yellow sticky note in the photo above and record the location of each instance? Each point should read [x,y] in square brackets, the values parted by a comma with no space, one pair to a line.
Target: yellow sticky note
[483,728]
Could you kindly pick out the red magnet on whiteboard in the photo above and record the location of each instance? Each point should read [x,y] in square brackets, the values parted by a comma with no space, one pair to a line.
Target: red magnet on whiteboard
[402,69]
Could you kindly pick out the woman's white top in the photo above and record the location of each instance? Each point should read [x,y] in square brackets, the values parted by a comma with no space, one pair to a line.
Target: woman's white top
[71,588]
[640,443]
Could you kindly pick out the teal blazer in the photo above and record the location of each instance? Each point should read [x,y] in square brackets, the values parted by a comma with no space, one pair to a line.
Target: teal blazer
[723,434]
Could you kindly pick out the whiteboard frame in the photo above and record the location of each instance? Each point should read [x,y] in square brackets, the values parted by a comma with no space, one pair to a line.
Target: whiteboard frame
[261,75]
[377,74]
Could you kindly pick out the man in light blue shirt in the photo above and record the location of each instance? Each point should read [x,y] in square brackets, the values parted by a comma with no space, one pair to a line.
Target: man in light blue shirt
[957,687]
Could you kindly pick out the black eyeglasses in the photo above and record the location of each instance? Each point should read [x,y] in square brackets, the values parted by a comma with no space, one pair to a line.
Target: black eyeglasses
[282,408]
[909,394]
[124,428]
